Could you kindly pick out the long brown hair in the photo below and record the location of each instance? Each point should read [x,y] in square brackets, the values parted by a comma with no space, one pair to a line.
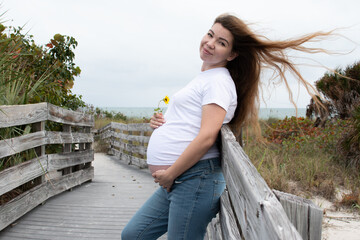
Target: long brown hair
[255,53]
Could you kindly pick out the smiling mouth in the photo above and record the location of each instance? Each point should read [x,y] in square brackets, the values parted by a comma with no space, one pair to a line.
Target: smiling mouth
[206,52]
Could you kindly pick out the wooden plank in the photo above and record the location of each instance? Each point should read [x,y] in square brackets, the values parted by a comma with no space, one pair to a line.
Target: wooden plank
[66,137]
[15,176]
[143,127]
[126,137]
[303,213]
[130,147]
[39,151]
[130,160]
[141,163]
[89,145]
[65,116]
[106,134]
[66,148]
[105,128]
[22,204]
[229,227]
[213,230]
[14,115]
[315,222]
[62,160]
[132,127]
[18,144]
[257,209]
[39,126]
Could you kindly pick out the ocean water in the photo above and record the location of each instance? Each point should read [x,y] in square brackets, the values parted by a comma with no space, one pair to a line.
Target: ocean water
[265,113]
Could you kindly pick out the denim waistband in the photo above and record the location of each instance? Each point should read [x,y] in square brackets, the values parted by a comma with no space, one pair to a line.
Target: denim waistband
[210,163]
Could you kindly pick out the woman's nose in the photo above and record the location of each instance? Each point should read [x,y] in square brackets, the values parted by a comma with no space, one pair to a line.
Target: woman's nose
[211,43]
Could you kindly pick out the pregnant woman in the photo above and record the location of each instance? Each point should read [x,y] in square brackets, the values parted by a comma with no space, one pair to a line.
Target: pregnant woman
[183,153]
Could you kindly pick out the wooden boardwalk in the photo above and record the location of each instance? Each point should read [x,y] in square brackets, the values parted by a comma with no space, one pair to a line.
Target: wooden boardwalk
[95,210]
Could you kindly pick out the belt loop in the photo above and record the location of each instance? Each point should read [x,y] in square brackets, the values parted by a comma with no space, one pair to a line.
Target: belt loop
[211,164]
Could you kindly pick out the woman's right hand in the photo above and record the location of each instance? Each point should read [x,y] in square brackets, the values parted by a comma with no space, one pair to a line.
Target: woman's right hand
[157,120]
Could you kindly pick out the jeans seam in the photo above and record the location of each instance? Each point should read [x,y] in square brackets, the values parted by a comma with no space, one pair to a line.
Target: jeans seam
[192,208]
[148,226]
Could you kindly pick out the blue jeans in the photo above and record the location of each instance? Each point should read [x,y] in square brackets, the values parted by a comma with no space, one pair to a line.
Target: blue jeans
[185,211]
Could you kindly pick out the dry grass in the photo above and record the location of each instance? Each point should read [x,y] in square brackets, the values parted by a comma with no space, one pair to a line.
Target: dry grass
[306,171]
[101,122]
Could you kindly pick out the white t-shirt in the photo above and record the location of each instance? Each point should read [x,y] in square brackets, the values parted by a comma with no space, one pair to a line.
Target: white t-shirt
[183,116]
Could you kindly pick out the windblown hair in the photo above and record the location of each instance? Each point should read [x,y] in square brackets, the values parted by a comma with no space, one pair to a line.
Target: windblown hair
[255,53]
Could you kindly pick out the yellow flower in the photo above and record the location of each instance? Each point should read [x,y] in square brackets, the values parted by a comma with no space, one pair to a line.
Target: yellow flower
[166,100]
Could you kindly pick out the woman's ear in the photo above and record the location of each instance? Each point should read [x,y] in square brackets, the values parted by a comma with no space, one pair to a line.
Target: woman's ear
[232,56]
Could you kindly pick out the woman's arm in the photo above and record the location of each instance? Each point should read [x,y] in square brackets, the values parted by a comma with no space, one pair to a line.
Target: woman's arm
[211,121]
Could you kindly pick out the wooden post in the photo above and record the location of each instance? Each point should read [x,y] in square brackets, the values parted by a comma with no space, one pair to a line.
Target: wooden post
[40,151]
[82,146]
[88,146]
[66,149]
[129,144]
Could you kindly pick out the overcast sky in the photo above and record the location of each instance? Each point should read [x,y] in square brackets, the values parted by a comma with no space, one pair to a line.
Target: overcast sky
[132,53]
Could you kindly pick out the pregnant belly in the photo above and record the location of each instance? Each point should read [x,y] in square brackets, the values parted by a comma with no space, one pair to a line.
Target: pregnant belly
[154,168]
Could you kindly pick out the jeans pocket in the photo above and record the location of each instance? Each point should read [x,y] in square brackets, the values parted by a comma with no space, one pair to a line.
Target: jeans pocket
[189,175]
[219,186]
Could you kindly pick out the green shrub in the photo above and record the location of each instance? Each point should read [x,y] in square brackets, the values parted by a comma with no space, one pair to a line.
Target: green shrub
[349,143]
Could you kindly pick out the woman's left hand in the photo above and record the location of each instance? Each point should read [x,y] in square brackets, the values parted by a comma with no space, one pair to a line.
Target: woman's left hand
[164,179]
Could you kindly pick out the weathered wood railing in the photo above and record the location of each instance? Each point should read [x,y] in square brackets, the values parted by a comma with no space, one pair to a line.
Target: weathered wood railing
[50,174]
[127,141]
[249,208]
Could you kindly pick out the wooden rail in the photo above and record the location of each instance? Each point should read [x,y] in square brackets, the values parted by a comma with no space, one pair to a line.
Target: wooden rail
[249,208]
[50,174]
[127,141]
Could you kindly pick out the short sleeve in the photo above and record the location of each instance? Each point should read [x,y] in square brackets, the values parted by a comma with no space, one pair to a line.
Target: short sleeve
[219,91]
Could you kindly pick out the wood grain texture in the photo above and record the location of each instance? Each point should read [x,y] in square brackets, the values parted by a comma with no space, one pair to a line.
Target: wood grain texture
[62,160]
[68,137]
[257,209]
[32,140]
[127,137]
[65,116]
[228,221]
[132,126]
[15,145]
[25,202]
[14,115]
[213,230]
[15,176]
[303,213]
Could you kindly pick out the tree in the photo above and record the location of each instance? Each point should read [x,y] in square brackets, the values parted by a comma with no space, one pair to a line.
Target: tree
[47,72]
[340,91]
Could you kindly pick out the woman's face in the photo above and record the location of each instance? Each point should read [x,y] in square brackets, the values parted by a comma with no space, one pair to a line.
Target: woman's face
[216,47]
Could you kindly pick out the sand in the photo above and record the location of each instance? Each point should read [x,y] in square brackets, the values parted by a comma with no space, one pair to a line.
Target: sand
[338,224]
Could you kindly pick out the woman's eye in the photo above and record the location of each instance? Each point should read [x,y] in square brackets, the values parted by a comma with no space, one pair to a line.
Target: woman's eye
[222,44]
[209,34]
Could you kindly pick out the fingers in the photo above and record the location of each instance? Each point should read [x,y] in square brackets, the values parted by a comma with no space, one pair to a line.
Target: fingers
[157,120]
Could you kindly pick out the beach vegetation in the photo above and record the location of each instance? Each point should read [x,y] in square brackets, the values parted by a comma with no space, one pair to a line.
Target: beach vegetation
[340,92]
[33,73]
[301,159]
[104,117]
